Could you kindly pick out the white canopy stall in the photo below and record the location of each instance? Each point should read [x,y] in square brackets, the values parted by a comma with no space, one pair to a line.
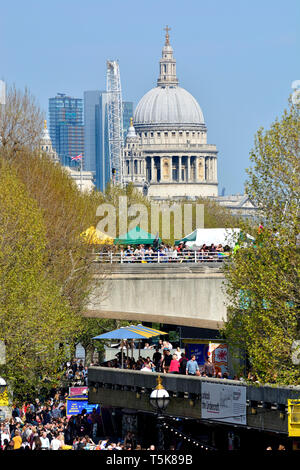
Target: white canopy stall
[223,236]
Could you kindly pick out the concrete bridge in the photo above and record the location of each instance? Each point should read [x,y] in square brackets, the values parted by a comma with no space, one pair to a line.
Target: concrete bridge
[186,294]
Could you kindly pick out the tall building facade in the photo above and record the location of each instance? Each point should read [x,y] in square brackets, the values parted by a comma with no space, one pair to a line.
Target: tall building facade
[96,145]
[91,106]
[66,127]
[127,115]
[166,153]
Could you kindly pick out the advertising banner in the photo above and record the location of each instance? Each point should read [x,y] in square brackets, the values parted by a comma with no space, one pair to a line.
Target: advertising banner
[219,356]
[75,407]
[200,351]
[78,391]
[225,403]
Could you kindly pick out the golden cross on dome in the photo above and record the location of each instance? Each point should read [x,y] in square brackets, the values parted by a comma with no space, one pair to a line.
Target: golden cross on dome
[167,29]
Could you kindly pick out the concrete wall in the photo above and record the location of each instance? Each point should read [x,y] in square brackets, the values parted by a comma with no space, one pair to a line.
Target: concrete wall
[181,294]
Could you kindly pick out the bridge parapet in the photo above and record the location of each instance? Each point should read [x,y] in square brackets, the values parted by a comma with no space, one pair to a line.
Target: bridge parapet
[266,404]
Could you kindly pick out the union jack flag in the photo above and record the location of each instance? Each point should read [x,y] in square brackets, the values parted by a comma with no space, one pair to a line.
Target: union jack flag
[78,157]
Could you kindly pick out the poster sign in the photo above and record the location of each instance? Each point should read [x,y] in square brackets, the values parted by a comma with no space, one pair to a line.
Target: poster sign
[78,391]
[219,356]
[75,407]
[225,403]
[199,349]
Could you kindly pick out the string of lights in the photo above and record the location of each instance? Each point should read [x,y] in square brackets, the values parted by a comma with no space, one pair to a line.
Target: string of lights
[186,437]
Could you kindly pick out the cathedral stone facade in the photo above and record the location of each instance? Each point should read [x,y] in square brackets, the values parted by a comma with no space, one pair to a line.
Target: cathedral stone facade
[166,154]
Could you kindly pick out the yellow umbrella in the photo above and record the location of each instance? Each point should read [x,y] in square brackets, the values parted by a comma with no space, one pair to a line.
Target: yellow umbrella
[93,236]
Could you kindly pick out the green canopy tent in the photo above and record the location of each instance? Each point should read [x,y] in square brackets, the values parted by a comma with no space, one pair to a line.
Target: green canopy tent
[137,236]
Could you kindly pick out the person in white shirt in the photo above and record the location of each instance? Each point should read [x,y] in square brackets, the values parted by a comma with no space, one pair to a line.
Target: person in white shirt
[178,353]
[4,435]
[55,443]
[45,441]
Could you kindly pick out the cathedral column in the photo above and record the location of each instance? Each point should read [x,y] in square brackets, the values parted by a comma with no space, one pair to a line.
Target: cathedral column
[143,167]
[215,170]
[152,169]
[179,170]
[196,169]
[160,169]
[206,169]
[188,176]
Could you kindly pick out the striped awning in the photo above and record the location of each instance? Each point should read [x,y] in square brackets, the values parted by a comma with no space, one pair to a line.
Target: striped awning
[131,332]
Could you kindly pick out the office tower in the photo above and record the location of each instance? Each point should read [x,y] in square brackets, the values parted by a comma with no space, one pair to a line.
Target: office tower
[103,175]
[66,127]
[127,114]
[91,105]
[96,136]
[96,145]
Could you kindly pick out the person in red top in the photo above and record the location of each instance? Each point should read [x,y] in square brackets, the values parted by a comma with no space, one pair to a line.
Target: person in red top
[174,366]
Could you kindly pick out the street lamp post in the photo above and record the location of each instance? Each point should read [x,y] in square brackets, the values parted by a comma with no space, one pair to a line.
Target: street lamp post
[160,399]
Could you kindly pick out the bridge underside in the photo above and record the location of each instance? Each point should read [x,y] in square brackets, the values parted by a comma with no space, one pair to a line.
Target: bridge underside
[155,318]
[186,295]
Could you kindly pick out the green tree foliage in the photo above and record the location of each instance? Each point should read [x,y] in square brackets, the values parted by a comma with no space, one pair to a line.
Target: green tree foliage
[34,316]
[67,213]
[263,279]
[45,266]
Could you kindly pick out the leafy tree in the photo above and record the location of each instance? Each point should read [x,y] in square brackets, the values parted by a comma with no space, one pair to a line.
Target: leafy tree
[34,316]
[263,279]
[67,213]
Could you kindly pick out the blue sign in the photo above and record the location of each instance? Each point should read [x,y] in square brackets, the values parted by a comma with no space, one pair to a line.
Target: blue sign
[200,351]
[75,407]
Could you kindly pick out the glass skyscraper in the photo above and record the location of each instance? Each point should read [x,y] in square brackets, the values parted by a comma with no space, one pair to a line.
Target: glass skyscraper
[127,114]
[66,127]
[96,146]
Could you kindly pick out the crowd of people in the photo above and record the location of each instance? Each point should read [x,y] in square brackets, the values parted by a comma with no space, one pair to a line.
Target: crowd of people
[76,373]
[43,424]
[168,253]
[164,360]
[38,427]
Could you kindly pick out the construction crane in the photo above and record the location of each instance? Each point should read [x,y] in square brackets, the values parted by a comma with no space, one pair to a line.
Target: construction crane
[115,121]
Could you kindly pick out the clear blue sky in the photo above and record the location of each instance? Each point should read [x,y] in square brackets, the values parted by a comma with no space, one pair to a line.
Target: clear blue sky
[237,57]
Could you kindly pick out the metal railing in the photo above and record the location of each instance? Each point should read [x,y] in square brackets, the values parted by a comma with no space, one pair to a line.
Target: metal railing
[161,257]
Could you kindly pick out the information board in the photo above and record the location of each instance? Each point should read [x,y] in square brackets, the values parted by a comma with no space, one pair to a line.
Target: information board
[225,403]
[75,407]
